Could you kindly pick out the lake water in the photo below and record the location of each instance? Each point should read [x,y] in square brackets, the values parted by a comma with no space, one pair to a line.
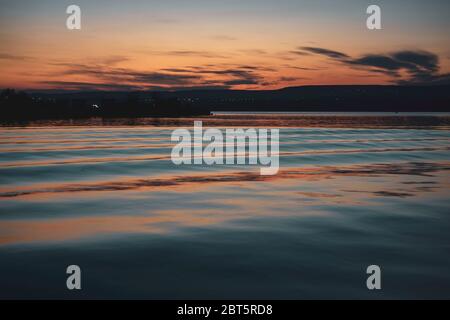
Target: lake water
[107,197]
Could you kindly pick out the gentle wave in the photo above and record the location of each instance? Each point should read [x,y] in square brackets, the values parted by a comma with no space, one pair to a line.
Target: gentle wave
[109,199]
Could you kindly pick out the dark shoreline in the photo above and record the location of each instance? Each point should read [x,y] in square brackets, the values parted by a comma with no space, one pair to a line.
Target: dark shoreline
[30,106]
[254,120]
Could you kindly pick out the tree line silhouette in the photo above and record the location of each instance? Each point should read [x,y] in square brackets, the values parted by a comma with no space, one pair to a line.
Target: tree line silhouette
[19,105]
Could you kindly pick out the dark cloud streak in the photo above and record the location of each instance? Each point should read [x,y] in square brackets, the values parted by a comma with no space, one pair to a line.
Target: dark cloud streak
[105,77]
[421,67]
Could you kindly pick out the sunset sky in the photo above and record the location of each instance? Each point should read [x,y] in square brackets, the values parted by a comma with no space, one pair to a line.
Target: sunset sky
[238,44]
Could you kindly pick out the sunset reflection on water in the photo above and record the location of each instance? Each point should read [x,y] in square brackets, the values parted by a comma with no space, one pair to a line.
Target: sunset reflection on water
[342,194]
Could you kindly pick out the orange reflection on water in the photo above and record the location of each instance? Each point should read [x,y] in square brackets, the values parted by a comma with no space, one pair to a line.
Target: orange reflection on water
[20,231]
[296,194]
[193,180]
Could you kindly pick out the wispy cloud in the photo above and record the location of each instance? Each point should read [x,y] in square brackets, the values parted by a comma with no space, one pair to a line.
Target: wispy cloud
[89,86]
[253,52]
[421,67]
[128,75]
[102,76]
[7,56]
[188,53]
[325,52]
[223,37]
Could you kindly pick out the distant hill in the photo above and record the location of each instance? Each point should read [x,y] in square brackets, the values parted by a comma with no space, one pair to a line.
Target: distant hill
[326,98]
[306,98]
[183,103]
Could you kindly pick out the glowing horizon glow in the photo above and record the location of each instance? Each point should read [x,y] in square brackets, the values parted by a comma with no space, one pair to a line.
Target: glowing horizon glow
[250,44]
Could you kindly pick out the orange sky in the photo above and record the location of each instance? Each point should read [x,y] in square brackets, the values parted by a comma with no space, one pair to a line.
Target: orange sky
[253,45]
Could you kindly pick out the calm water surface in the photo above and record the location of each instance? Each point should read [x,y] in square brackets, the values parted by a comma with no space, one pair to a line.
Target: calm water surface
[108,198]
